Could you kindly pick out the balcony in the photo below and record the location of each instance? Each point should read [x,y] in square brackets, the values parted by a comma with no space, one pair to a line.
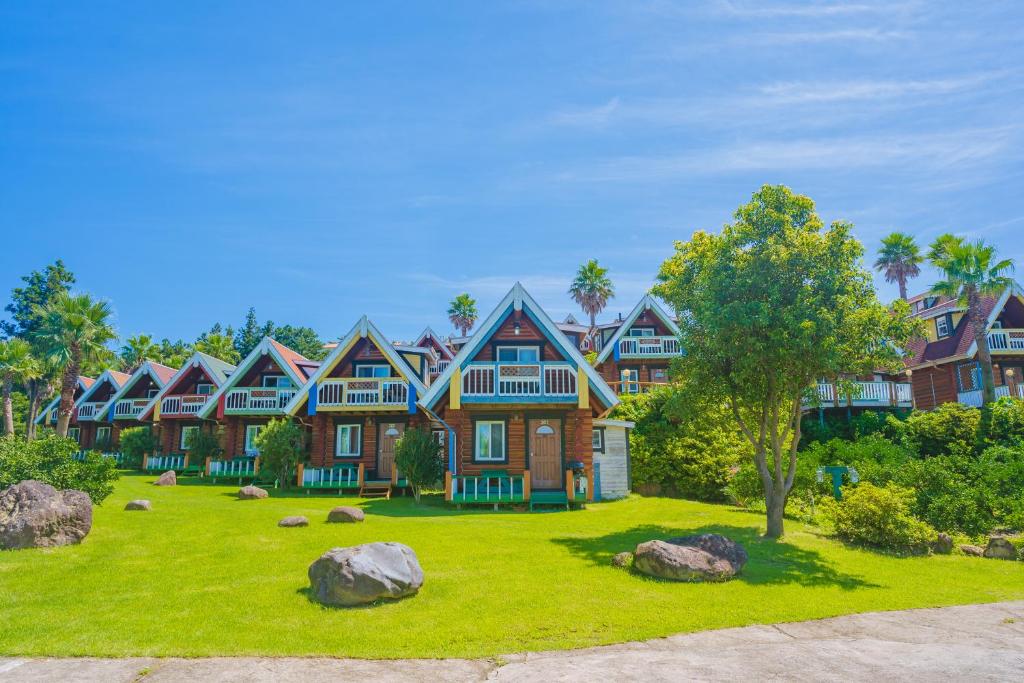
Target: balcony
[439,367]
[90,411]
[867,395]
[359,393]
[648,347]
[257,400]
[128,408]
[519,382]
[1006,341]
[973,398]
[184,405]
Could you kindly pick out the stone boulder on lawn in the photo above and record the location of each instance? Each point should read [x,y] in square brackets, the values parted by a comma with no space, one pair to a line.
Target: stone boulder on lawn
[252,493]
[138,505]
[972,550]
[295,520]
[365,573]
[943,544]
[345,513]
[36,515]
[717,545]
[708,557]
[1000,548]
[168,478]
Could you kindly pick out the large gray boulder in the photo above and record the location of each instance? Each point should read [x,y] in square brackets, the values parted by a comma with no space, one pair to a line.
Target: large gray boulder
[345,514]
[168,478]
[972,550]
[252,493]
[1000,548]
[717,545]
[365,573]
[139,505]
[943,544]
[36,515]
[680,563]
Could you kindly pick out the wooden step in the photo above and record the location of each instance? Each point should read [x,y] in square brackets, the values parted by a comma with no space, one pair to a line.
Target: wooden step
[375,491]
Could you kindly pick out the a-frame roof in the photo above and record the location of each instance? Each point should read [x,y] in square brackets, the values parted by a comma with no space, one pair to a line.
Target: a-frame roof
[430,334]
[161,375]
[519,299]
[290,362]
[363,329]
[216,369]
[647,303]
[84,383]
[116,379]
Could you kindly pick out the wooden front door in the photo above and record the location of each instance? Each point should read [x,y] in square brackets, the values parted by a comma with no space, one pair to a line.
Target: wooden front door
[386,446]
[545,443]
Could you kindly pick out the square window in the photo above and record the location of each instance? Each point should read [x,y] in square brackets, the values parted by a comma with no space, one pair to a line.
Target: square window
[186,433]
[641,332]
[204,389]
[347,441]
[518,354]
[490,441]
[373,371]
[251,432]
[276,381]
[597,439]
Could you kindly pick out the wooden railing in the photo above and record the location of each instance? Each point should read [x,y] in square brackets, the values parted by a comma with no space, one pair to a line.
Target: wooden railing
[1006,340]
[488,487]
[648,347]
[974,398]
[358,392]
[129,407]
[88,411]
[518,381]
[184,404]
[257,399]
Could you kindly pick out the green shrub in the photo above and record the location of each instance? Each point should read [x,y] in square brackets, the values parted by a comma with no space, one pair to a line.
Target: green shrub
[860,425]
[420,458]
[282,446]
[951,428]
[202,445]
[1006,422]
[49,459]
[136,442]
[881,518]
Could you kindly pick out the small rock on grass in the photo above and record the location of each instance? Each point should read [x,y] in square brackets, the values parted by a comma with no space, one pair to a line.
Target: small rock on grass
[138,505]
[168,478]
[293,521]
[252,493]
[1000,548]
[972,550]
[345,513]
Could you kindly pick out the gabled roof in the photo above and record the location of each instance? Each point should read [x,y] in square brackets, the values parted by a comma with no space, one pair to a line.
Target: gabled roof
[160,374]
[116,379]
[647,303]
[363,329]
[519,299]
[291,362]
[216,369]
[84,383]
[428,333]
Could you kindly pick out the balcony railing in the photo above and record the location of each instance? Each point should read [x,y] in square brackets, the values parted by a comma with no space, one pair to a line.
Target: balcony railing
[867,394]
[1006,340]
[251,400]
[483,382]
[648,347]
[439,367]
[974,398]
[359,392]
[90,411]
[129,407]
[185,404]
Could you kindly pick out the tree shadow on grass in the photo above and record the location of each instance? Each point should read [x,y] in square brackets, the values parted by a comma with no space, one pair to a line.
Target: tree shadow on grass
[771,562]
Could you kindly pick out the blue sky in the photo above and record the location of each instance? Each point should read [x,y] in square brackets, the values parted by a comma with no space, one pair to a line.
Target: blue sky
[190,159]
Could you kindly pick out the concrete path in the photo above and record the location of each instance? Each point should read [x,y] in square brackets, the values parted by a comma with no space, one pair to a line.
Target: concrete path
[977,642]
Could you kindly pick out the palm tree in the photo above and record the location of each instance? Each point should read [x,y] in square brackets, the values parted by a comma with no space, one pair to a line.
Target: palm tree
[899,258]
[462,312]
[16,366]
[73,329]
[220,346]
[972,272]
[591,289]
[137,350]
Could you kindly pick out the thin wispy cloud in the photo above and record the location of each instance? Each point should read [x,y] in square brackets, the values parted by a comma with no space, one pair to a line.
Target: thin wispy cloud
[763,10]
[850,36]
[796,92]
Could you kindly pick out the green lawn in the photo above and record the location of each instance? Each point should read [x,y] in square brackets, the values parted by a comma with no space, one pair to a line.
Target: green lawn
[205,574]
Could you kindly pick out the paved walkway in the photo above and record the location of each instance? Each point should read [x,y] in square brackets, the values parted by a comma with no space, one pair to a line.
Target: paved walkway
[977,642]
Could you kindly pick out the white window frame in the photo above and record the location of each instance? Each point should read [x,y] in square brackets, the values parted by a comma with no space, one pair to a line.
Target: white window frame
[478,433]
[209,389]
[942,327]
[640,332]
[374,367]
[183,440]
[338,440]
[100,431]
[277,382]
[518,350]
[631,386]
[75,433]
[151,393]
[597,440]
[250,441]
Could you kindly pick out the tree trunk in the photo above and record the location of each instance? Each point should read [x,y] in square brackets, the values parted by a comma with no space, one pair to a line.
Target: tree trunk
[68,384]
[980,325]
[8,407]
[593,319]
[903,287]
[776,504]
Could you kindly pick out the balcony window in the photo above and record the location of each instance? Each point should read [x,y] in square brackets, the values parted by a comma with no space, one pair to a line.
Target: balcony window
[347,441]
[276,382]
[518,354]
[186,435]
[490,441]
[373,370]
[204,389]
[640,332]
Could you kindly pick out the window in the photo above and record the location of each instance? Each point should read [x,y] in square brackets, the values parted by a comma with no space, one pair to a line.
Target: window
[942,327]
[997,324]
[186,434]
[640,332]
[103,437]
[74,433]
[629,381]
[204,389]
[373,371]
[490,441]
[440,435]
[276,381]
[348,441]
[597,439]
[518,354]
[659,375]
[251,432]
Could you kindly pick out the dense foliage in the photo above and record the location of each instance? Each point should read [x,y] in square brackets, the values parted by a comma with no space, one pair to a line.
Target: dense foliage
[880,517]
[420,459]
[136,442]
[202,445]
[49,459]
[282,446]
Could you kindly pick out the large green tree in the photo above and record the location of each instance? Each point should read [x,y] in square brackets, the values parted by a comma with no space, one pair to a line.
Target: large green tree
[971,272]
[899,259]
[74,330]
[249,336]
[219,346]
[591,289]
[17,366]
[768,306]
[137,350]
[304,340]
[462,313]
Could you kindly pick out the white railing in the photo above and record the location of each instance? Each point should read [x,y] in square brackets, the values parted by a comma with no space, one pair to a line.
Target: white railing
[185,404]
[237,467]
[866,393]
[165,462]
[439,367]
[904,393]
[257,399]
[362,392]
[648,347]
[523,380]
[88,411]
[130,407]
[1006,340]
[974,398]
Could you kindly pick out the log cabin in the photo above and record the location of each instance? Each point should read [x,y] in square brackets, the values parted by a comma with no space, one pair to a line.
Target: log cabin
[636,354]
[125,407]
[48,415]
[94,433]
